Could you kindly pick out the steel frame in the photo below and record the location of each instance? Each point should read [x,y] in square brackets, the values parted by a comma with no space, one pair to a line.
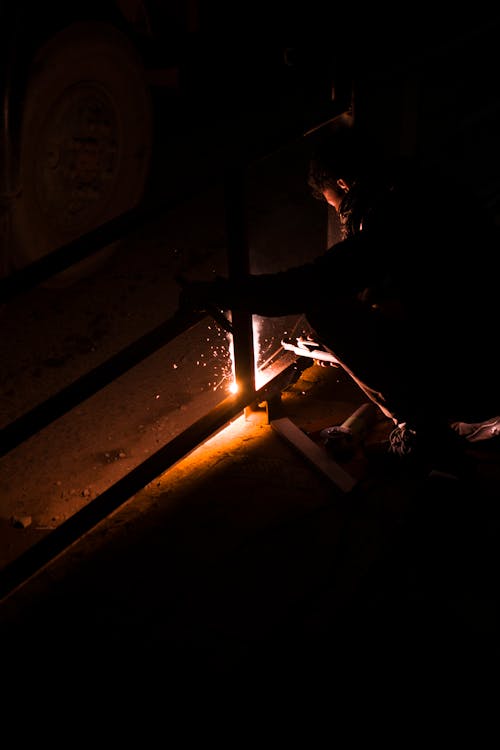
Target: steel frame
[29,563]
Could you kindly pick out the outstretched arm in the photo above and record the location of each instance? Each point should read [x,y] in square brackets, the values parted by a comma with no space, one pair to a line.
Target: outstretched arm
[343,269]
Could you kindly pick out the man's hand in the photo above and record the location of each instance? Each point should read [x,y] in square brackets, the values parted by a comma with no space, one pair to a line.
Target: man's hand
[197,296]
[205,297]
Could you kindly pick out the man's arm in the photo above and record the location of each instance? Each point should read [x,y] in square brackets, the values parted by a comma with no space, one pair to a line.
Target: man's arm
[347,267]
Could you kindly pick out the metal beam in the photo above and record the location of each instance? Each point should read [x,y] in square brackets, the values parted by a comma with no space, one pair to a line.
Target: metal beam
[57,541]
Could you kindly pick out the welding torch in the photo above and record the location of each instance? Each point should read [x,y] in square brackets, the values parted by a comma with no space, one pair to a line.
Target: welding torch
[310,348]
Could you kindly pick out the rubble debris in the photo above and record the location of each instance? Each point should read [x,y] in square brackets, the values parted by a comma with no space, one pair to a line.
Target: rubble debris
[21,522]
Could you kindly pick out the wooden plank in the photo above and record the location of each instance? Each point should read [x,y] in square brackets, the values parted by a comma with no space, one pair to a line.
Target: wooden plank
[314,453]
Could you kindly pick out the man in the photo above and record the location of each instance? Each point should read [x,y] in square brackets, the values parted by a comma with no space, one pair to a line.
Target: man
[404,300]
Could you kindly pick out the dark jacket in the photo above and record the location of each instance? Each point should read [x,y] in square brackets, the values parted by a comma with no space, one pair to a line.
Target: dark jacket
[402,242]
[404,299]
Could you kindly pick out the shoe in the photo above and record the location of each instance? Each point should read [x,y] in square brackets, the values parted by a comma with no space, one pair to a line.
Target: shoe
[402,440]
[431,453]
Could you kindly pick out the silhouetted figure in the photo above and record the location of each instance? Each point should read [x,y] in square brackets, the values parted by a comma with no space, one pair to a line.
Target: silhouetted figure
[405,300]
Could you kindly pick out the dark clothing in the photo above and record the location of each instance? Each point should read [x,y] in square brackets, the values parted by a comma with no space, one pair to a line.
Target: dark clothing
[406,301]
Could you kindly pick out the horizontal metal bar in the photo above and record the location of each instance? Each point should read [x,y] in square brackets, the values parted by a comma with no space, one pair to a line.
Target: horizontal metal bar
[66,399]
[47,549]
[43,552]
[71,253]
[24,279]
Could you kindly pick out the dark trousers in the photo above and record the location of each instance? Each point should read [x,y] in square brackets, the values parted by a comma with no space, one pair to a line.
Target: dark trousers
[424,370]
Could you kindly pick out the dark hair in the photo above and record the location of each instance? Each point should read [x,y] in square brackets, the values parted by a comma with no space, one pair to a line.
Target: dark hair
[337,153]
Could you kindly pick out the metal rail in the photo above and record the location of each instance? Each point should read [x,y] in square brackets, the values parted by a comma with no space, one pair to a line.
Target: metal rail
[19,571]
[21,281]
[56,406]
[46,550]
[33,560]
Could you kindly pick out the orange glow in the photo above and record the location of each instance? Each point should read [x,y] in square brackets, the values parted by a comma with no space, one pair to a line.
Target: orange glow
[256,327]
[268,368]
[233,386]
[267,371]
[259,378]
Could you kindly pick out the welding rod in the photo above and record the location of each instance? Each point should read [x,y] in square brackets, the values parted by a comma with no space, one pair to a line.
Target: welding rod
[319,354]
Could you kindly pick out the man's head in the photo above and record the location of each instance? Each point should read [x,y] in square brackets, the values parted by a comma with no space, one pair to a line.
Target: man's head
[338,159]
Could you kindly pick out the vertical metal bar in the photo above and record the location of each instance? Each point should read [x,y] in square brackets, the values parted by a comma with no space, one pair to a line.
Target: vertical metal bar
[238,268]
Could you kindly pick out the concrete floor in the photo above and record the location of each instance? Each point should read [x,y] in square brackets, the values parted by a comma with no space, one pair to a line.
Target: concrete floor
[245,565]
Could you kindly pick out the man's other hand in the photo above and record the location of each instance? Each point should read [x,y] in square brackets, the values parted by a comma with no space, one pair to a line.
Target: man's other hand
[194,296]
[202,296]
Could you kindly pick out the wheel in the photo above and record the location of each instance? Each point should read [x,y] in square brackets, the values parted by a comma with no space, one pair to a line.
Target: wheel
[86,143]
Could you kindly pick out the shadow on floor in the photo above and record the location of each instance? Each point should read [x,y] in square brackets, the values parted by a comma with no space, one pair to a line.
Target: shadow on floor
[245,564]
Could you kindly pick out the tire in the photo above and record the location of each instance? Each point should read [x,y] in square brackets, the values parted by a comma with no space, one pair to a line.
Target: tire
[86,143]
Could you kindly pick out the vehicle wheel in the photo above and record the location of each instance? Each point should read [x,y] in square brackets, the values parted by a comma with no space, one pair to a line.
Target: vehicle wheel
[85,144]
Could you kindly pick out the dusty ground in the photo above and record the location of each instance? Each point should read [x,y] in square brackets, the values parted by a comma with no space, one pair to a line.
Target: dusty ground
[241,563]
[54,335]
[243,577]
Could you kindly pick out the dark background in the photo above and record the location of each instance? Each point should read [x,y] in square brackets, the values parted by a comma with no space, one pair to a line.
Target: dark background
[420,86]
[248,89]
[251,88]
